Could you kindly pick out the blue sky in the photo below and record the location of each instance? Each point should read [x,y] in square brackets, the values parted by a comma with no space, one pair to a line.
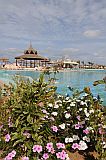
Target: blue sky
[57,28]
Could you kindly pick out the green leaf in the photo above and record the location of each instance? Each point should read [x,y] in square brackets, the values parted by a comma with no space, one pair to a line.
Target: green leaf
[24,112]
[17,142]
[15,135]
[16,122]
[28,118]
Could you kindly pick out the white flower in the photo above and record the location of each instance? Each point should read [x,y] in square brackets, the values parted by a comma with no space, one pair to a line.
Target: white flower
[67,98]
[75,137]
[68,107]
[67,115]
[104,144]
[87,119]
[89,128]
[52,118]
[82,145]
[87,139]
[83,103]
[91,111]
[78,100]
[104,126]
[59,101]
[50,105]
[54,113]
[80,109]
[87,114]
[46,117]
[59,96]
[44,111]
[62,126]
[72,104]
[56,106]
[68,140]
[85,110]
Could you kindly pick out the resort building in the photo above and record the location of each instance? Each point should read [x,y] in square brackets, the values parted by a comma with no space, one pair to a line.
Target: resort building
[3,61]
[70,64]
[31,59]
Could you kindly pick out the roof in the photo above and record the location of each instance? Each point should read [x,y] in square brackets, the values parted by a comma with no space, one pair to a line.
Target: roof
[4,59]
[30,54]
[31,57]
[30,50]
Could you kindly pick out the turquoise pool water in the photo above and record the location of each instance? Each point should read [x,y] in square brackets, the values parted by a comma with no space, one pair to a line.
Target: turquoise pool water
[75,79]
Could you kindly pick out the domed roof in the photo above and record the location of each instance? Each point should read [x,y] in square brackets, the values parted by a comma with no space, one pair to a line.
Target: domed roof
[30,50]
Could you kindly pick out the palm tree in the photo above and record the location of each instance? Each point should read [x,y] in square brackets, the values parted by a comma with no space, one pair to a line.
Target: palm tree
[89,64]
[83,63]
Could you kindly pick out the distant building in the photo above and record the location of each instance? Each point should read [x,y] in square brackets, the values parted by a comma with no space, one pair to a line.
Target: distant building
[31,59]
[70,64]
[3,61]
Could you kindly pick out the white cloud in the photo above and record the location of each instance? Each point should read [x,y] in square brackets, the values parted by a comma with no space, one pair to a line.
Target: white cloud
[92,33]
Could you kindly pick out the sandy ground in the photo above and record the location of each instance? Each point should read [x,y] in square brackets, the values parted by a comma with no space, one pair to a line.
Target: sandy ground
[1,84]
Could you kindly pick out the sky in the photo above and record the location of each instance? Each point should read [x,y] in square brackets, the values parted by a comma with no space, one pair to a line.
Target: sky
[74,29]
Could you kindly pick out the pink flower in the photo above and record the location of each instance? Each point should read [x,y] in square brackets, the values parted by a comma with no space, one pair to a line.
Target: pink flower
[58,154]
[52,151]
[25,158]
[78,117]
[1,126]
[45,156]
[44,111]
[7,138]
[27,134]
[37,148]
[10,124]
[77,126]
[10,155]
[49,146]
[101,131]
[86,131]
[75,146]
[61,155]
[13,153]
[60,145]
[54,128]
[41,104]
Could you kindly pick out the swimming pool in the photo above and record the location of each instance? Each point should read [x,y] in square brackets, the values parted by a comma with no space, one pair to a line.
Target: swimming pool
[76,79]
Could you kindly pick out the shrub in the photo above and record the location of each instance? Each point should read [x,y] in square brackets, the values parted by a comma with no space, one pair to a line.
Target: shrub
[40,124]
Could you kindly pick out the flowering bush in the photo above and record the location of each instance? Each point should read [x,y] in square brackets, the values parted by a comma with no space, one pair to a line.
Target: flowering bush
[79,123]
[39,124]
